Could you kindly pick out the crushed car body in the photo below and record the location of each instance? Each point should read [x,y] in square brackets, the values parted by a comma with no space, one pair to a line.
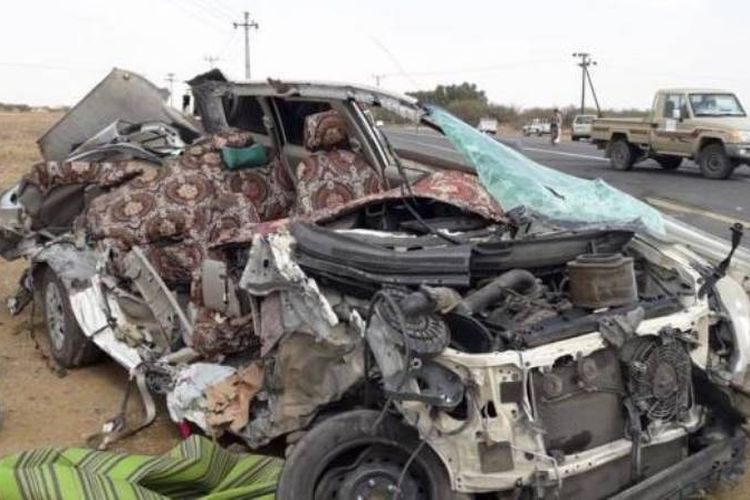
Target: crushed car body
[284,278]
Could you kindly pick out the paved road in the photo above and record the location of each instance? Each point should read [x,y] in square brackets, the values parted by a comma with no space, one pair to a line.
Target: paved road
[709,204]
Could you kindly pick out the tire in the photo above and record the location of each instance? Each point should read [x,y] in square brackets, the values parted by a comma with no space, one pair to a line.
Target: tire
[67,343]
[669,162]
[714,162]
[575,138]
[621,155]
[340,458]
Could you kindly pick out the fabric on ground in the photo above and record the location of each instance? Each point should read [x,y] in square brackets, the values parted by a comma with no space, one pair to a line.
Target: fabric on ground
[196,468]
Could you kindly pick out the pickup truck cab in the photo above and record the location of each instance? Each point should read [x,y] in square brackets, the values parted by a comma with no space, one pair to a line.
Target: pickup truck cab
[708,126]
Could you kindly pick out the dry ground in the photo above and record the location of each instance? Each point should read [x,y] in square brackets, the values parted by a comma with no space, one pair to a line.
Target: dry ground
[41,408]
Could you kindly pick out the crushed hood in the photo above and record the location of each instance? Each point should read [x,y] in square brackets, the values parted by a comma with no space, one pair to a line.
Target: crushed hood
[121,95]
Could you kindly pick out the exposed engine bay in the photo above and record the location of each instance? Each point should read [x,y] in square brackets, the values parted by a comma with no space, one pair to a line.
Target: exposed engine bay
[577,351]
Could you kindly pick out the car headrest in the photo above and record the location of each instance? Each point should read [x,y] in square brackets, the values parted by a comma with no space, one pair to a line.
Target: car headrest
[325,131]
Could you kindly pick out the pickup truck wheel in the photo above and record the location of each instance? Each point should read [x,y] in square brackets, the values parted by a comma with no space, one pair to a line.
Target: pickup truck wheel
[68,345]
[714,162]
[359,455]
[669,162]
[621,155]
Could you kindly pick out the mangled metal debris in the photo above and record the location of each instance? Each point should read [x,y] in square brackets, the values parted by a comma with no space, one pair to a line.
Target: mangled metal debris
[324,305]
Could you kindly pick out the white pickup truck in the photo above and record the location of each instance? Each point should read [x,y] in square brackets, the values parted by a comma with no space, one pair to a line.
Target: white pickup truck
[488,126]
[537,127]
[705,125]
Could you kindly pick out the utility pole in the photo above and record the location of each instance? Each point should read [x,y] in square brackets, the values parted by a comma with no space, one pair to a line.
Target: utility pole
[170,79]
[247,24]
[377,79]
[593,93]
[211,60]
[586,61]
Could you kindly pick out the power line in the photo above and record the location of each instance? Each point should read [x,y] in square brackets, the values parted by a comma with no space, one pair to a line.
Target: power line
[209,10]
[395,62]
[639,70]
[56,67]
[475,70]
[191,11]
[221,53]
[219,8]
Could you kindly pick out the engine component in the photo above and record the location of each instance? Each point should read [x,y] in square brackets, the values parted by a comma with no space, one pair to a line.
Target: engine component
[543,251]
[658,372]
[579,402]
[602,280]
[468,334]
[424,334]
[577,321]
[518,280]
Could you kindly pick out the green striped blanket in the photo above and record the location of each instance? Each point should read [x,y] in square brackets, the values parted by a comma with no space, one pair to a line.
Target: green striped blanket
[197,468]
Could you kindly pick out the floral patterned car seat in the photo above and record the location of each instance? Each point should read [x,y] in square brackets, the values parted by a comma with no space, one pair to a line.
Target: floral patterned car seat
[333,174]
[174,211]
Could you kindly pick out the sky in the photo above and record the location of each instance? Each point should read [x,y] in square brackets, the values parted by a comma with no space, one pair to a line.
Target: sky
[520,52]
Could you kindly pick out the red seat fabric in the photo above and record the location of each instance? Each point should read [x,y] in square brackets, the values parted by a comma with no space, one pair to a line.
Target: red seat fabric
[332,175]
[176,210]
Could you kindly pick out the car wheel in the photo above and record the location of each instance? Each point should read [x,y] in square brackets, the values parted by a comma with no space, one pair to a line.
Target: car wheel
[621,155]
[349,456]
[68,345]
[669,162]
[714,162]
[574,138]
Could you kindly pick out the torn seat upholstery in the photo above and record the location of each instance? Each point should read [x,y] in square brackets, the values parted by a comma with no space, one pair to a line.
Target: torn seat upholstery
[333,174]
[55,193]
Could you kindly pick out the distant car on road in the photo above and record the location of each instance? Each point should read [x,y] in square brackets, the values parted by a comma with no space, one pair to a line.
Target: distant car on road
[488,126]
[582,127]
[536,127]
[706,125]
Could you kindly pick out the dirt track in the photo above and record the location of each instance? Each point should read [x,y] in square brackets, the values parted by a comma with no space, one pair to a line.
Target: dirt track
[42,409]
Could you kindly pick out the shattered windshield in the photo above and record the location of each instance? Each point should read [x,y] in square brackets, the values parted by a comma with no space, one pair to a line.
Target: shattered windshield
[518,182]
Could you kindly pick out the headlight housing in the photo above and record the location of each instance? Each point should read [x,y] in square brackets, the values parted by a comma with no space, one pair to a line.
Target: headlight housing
[739,136]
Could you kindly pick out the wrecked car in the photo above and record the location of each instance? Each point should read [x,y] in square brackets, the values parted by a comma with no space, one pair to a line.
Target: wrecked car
[392,329]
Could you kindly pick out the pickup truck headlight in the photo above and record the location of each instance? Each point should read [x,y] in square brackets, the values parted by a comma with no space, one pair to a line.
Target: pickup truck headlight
[739,136]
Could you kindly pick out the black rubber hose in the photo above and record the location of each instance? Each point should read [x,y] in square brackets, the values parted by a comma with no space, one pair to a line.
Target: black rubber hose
[518,280]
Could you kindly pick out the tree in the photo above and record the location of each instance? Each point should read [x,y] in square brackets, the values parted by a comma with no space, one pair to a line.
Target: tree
[444,95]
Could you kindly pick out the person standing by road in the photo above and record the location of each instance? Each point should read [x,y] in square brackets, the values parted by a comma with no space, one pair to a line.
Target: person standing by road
[556,126]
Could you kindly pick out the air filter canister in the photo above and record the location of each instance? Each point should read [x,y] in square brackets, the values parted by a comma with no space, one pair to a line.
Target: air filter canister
[602,280]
